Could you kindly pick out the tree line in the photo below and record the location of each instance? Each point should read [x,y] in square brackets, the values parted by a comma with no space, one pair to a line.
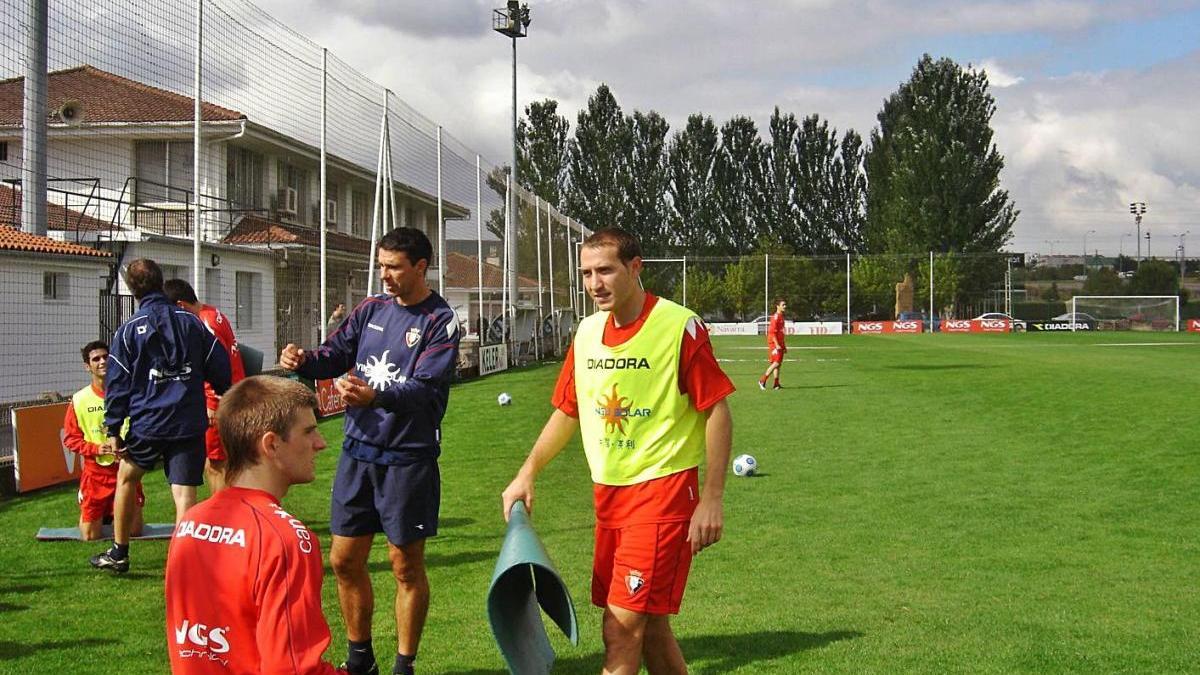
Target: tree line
[926,179]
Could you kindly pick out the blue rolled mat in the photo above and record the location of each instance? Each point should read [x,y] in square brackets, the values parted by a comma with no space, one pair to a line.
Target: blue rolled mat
[523,581]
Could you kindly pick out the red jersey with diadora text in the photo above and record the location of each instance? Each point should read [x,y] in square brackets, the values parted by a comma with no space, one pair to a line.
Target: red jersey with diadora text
[669,498]
[775,332]
[218,324]
[700,377]
[243,590]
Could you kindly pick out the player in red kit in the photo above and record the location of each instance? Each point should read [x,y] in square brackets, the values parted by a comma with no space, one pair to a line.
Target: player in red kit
[776,345]
[243,578]
[83,434]
[182,294]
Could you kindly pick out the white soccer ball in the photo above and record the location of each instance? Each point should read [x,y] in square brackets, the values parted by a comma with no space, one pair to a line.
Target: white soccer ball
[504,399]
[745,465]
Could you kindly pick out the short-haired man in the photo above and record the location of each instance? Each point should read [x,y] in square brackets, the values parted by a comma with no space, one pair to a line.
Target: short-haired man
[159,361]
[180,292]
[776,344]
[243,579]
[400,348]
[641,382]
[83,434]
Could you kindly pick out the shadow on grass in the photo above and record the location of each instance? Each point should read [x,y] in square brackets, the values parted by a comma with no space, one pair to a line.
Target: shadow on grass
[714,653]
[812,386]
[16,650]
[17,589]
[7,607]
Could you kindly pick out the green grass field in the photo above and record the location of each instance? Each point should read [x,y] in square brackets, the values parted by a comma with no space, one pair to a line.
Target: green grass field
[939,503]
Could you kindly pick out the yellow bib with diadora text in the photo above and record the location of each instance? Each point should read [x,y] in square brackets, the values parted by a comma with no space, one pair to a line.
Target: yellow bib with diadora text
[636,424]
[89,411]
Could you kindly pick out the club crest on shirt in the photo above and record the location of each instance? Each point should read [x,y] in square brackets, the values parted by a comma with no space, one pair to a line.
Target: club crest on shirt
[634,582]
[412,337]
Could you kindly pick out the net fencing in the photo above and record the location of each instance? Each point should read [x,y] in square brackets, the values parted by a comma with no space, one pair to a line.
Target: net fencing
[303,162]
[1127,312]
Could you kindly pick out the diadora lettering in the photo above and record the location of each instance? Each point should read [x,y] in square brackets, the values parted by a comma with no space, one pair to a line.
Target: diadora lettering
[631,363]
[215,534]
[374,327]
[95,408]
[198,640]
[302,533]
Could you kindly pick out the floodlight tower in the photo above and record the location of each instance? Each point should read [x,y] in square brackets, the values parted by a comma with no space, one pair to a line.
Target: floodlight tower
[1138,209]
[1085,234]
[512,21]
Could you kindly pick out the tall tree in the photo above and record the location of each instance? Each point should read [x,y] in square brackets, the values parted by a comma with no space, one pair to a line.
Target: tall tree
[542,150]
[738,182]
[690,159]
[647,197]
[781,215]
[598,160]
[933,171]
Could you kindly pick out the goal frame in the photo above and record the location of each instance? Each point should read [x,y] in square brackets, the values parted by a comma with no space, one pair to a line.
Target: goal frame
[1076,298]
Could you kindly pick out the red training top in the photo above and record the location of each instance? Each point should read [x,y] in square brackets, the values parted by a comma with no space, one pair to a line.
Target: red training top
[218,325]
[243,589]
[776,331]
[669,498]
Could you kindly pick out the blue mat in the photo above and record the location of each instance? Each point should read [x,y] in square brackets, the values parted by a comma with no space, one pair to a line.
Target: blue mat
[523,581]
[149,531]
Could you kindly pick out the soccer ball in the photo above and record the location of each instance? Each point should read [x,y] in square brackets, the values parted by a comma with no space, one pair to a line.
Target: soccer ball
[744,465]
[504,399]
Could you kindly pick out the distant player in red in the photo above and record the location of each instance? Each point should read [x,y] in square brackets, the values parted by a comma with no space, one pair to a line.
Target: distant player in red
[243,578]
[84,434]
[181,293]
[776,344]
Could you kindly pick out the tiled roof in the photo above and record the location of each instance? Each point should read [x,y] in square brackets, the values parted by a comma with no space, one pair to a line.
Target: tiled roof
[107,98]
[256,230]
[12,239]
[58,217]
[462,271]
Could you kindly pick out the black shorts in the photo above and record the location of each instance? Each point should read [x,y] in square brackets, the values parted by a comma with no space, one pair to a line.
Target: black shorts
[182,458]
[400,500]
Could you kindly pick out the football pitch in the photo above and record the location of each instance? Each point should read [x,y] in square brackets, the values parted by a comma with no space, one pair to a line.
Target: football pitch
[929,503]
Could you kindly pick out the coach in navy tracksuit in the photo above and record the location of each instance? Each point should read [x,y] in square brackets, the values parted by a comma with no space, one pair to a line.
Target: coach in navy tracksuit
[158,363]
[400,349]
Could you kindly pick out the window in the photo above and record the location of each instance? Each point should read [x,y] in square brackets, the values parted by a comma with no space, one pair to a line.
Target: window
[175,272]
[3,151]
[244,176]
[360,216]
[332,206]
[54,285]
[294,177]
[212,287]
[164,170]
[247,291]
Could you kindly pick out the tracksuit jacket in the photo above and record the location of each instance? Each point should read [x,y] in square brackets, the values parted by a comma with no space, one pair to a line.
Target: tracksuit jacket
[159,361]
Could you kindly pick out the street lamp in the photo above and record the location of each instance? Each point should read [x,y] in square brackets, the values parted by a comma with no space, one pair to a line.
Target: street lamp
[1182,254]
[1138,209]
[512,20]
[1122,255]
[1148,244]
[1085,234]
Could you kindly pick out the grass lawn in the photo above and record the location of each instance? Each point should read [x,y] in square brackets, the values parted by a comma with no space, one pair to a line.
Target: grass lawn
[932,503]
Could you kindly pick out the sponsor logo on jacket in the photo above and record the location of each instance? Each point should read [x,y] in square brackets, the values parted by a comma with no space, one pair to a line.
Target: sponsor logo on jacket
[200,641]
[215,534]
[302,533]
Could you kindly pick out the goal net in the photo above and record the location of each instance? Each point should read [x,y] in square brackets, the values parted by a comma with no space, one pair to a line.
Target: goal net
[1127,312]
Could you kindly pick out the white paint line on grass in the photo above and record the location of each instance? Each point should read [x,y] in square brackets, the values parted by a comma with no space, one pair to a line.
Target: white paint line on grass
[1142,344]
[789,348]
[785,360]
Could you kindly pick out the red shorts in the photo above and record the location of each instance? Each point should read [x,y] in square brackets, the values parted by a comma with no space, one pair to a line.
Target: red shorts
[642,568]
[97,492]
[776,355]
[212,444]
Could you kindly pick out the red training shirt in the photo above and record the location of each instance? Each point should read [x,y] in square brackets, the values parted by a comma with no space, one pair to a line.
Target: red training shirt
[776,331]
[218,325]
[243,590]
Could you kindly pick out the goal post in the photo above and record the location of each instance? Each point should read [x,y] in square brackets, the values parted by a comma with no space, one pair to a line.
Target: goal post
[1127,312]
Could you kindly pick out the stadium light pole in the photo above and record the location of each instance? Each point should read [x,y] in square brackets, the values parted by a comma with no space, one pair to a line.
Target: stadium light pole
[1122,245]
[1138,209]
[1085,234]
[1051,242]
[1182,254]
[512,20]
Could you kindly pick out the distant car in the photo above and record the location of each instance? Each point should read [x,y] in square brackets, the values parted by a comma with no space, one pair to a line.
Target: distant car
[1018,325]
[1076,316]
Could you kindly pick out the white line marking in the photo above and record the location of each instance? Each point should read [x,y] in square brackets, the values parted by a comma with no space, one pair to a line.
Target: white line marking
[1141,344]
[789,348]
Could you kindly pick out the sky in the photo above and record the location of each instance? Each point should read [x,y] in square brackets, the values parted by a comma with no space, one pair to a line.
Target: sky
[1096,100]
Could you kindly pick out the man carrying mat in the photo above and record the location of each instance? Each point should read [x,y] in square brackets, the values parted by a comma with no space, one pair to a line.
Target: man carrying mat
[642,384]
